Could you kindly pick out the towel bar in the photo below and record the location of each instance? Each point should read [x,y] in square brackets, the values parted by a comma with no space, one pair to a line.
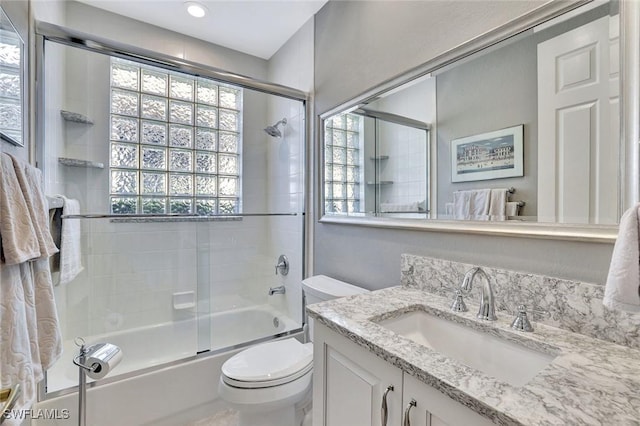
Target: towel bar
[164,216]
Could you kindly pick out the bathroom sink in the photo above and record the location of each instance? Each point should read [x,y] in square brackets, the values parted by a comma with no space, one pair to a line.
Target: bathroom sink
[492,355]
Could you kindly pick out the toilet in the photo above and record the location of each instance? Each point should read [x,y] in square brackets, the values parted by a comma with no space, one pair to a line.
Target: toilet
[270,383]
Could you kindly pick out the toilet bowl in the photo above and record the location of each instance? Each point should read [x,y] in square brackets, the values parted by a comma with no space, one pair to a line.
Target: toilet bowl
[269,384]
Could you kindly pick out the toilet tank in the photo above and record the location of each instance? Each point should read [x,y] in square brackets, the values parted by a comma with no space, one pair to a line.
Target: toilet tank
[320,288]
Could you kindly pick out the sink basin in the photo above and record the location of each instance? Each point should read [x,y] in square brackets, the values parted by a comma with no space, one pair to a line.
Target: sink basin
[502,359]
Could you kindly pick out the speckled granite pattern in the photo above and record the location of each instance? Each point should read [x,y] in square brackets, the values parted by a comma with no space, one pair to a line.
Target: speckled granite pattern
[572,305]
[589,382]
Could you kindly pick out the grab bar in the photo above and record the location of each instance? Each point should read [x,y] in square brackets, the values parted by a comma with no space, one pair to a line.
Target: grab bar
[168,216]
[9,396]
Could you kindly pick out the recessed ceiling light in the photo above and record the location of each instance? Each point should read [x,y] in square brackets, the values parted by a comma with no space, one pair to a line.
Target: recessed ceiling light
[195,9]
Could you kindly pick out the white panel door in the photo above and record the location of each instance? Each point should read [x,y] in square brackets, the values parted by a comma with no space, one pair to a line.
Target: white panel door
[578,130]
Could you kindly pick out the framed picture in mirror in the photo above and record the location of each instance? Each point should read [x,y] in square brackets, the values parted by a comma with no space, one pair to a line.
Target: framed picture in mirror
[492,155]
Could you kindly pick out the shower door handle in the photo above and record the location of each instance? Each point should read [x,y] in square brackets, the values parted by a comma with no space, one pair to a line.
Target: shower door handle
[384,409]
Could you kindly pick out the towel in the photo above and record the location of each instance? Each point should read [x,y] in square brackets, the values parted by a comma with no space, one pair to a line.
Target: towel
[498,204]
[512,208]
[17,234]
[622,290]
[448,210]
[70,254]
[471,205]
[30,339]
[37,211]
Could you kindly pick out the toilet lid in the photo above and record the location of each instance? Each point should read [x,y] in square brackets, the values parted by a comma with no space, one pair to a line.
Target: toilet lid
[269,362]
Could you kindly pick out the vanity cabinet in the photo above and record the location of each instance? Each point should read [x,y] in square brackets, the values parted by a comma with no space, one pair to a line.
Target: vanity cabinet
[349,383]
[352,386]
[433,408]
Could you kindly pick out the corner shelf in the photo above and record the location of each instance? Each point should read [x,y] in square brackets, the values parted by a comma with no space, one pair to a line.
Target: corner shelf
[382,182]
[73,162]
[379,157]
[75,117]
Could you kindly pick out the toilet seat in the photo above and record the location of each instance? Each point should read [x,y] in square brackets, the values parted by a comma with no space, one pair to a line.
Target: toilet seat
[268,365]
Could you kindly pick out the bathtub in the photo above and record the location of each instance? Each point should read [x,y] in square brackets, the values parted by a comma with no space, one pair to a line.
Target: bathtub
[160,362]
[230,328]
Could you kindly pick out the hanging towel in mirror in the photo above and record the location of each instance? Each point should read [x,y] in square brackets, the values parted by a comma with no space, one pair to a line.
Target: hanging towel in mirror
[498,204]
[471,204]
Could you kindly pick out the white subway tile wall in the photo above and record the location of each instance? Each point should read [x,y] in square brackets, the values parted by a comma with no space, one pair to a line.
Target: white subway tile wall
[133,269]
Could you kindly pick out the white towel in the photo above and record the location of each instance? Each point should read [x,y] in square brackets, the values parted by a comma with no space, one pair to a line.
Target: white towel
[512,208]
[30,339]
[18,236]
[70,248]
[498,204]
[622,290]
[471,205]
[448,210]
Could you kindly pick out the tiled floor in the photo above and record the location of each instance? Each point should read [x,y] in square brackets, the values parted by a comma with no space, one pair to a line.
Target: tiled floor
[223,418]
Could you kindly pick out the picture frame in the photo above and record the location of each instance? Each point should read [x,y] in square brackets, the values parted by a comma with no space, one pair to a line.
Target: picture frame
[493,155]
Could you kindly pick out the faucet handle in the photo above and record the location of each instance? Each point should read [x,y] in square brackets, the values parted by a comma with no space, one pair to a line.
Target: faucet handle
[458,304]
[283,265]
[521,321]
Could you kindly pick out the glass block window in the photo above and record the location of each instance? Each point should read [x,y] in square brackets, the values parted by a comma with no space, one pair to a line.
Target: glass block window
[10,84]
[175,142]
[342,163]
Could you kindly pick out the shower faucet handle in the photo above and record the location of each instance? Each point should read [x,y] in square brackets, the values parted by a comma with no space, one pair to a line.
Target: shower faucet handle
[283,265]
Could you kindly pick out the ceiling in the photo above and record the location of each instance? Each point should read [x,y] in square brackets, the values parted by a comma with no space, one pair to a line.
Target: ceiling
[257,27]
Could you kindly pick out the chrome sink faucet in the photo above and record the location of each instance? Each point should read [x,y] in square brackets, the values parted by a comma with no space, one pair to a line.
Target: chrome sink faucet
[487,302]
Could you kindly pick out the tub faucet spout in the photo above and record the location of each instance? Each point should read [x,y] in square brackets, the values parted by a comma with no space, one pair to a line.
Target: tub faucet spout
[277,290]
[487,302]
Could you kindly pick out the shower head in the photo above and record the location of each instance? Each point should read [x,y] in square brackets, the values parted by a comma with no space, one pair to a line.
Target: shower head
[273,130]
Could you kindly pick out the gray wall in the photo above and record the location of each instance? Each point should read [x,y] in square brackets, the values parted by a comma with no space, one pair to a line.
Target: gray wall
[361,44]
[492,92]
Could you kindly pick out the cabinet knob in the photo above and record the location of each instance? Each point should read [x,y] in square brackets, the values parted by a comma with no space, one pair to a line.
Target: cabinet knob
[407,419]
[384,410]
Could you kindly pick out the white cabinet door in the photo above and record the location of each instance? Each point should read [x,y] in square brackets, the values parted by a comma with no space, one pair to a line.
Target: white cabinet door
[349,384]
[433,408]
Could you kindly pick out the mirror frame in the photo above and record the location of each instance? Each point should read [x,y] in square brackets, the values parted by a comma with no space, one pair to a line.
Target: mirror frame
[24,92]
[629,132]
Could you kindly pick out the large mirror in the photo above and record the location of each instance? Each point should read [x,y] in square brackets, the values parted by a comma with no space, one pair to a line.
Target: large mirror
[524,131]
[12,82]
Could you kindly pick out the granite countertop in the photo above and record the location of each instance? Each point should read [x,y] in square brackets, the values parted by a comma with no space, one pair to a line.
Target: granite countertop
[589,382]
